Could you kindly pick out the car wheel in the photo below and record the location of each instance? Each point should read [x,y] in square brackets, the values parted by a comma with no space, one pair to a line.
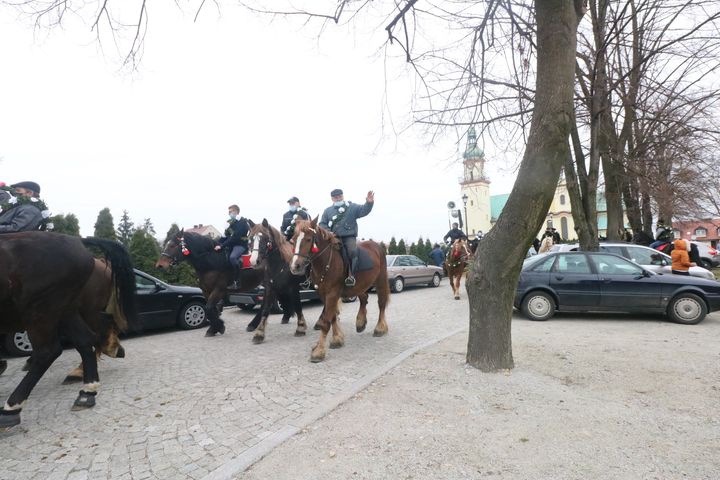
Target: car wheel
[246,306]
[687,308]
[397,285]
[192,315]
[349,299]
[435,282]
[18,344]
[538,306]
[275,308]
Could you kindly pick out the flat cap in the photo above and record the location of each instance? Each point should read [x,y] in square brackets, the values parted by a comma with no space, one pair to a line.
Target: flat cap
[293,200]
[336,192]
[28,186]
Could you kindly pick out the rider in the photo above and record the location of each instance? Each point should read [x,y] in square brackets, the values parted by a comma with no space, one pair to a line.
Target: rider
[663,234]
[454,234]
[24,211]
[294,213]
[341,219]
[236,236]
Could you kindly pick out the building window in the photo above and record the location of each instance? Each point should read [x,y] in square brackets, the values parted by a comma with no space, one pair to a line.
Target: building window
[471,203]
[700,232]
[677,234]
[564,227]
[562,199]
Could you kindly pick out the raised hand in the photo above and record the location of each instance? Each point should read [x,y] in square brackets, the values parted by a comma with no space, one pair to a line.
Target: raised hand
[370,197]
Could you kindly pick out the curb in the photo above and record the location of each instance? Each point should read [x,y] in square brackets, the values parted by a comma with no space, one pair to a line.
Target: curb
[245,460]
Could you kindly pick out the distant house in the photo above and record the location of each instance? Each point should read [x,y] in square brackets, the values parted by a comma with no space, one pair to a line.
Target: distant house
[205,230]
[706,231]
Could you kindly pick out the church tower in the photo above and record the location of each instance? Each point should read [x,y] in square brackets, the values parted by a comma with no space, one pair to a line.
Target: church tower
[475,184]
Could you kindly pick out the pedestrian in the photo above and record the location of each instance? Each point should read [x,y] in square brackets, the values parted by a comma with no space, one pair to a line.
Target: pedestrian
[680,258]
[628,236]
[437,255]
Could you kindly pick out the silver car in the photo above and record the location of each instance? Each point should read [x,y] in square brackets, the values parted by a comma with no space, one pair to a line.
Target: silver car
[406,270]
[647,257]
[709,256]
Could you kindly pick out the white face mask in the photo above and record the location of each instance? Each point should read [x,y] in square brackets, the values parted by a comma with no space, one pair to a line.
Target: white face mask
[339,203]
[293,208]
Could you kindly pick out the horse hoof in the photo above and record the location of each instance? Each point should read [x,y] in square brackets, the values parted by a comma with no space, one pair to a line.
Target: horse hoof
[221,330]
[317,326]
[299,333]
[337,343]
[360,328]
[3,366]
[457,298]
[378,333]
[250,327]
[210,332]
[26,365]
[317,358]
[71,379]
[258,340]
[120,352]
[9,419]
[285,320]
[84,401]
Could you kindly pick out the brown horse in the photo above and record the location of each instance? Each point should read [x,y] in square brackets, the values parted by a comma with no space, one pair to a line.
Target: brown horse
[42,279]
[455,264]
[321,249]
[213,270]
[269,246]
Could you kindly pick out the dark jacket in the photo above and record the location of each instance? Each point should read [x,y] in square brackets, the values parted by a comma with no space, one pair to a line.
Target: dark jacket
[236,234]
[454,234]
[347,225]
[437,256]
[289,216]
[20,218]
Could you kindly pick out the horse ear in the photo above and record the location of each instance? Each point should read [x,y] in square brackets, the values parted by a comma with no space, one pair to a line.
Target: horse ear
[314,221]
[265,223]
[251,223]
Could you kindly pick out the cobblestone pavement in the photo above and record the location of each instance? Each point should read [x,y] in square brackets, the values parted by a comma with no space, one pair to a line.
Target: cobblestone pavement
[184,406]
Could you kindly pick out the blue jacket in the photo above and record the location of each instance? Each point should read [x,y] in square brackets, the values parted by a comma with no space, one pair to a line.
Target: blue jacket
[437,256]
[347,225]
[236,234]
[20,218]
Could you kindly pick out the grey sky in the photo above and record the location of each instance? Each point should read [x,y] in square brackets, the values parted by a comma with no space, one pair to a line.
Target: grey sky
[232,109]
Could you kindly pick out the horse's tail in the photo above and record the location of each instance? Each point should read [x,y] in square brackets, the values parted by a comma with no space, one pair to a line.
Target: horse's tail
[123,276]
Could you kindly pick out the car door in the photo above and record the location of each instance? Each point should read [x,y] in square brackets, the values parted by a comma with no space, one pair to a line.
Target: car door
[574,281]
[625,285]
[403,268]
[422,273]
[647,258]
[154,307]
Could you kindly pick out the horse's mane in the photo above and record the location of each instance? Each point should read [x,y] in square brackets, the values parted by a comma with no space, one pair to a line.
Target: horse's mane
[278,239]
[202,254]
[319,231]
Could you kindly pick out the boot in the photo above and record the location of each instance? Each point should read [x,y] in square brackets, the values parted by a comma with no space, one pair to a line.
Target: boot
[350,280]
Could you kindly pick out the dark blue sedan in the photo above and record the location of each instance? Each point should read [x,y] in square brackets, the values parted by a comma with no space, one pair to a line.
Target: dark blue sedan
[599,281]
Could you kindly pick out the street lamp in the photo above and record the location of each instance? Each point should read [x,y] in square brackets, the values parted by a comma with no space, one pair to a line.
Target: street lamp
[465,199]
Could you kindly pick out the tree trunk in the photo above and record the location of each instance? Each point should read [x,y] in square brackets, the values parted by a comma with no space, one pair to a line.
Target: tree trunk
[582,192]
[493,277]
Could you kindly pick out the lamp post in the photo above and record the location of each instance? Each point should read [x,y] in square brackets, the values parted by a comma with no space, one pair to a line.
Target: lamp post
[465,199]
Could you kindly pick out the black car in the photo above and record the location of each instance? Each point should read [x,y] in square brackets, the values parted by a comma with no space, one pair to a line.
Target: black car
[599,281]
[159,305]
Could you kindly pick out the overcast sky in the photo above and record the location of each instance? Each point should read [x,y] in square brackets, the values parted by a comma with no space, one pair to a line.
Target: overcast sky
[231,109]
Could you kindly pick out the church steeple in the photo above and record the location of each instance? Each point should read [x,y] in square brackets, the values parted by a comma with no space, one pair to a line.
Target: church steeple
[475,186]
[473,159]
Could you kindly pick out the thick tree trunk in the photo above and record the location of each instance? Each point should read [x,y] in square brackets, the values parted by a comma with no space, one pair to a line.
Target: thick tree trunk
[493,277]
[631,197]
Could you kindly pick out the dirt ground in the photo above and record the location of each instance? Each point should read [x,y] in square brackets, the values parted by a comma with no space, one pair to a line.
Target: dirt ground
[602,396]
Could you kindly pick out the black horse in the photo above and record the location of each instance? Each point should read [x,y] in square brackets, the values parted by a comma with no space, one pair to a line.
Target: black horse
[213,270]
[271,247]
[42,279]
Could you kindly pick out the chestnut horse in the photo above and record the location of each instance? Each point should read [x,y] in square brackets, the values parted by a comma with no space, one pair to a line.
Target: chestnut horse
[455,264]
[43,277]
[271,247]
[320,248]
[213,270]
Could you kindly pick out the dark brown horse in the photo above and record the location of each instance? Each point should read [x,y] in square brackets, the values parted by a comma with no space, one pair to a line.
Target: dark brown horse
[455,264]
[42,279]
[321,249]
[271,247]
[213,270]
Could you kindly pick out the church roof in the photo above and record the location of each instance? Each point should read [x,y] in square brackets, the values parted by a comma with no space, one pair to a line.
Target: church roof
[497,203]
[472,150]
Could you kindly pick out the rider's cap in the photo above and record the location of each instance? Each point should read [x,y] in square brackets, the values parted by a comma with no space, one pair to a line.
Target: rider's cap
[336,192]
[28,186]
[293,200]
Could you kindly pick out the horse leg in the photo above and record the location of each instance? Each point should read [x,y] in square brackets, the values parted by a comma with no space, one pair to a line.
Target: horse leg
[297,303]
[3,366]
[213,306]
[382,288]
[254,322]
[326,318]
[44,354]
[338,338]
[269,299]
[287,304]
[361,319]
[84,339]
[318,324]
[75,375]
[456,286]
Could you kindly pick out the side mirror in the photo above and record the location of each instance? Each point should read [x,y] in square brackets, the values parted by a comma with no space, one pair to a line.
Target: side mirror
[159,287]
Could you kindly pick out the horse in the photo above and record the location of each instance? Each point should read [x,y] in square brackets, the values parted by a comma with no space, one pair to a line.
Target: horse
[213,270]
[546,245]
[455,264]
[43,277]
[321,249]
[270,246]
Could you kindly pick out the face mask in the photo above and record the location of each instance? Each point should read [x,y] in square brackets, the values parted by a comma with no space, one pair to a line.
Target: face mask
[233,216]
[293,208]
[339,204]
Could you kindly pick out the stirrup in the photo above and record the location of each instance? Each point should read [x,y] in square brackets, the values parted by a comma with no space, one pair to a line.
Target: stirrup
[350,281]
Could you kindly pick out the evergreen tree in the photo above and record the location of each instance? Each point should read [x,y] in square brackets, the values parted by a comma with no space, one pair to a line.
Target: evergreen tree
[149,227]
[384,247]
[413,249]
[420,249]
[144,250]
[125,229]
[104,226]
[428,249]
[392,248]
[67,224]
[172,231]
[401,248]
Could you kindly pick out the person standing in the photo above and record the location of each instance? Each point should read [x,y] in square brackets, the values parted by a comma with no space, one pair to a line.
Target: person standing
[680,258]
[295,212]
[24,211]
[341,219]
[436,255]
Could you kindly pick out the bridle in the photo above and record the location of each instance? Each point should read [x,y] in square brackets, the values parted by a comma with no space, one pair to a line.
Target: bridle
[174,259]
[315,253]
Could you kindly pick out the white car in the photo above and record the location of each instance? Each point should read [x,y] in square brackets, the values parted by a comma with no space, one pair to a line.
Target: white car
[709,256]
[647,257]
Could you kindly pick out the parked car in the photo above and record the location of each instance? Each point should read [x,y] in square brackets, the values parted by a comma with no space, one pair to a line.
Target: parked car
[649,258]
[159,305]
[709,256]
[250,300]
[601,281]
[406,270]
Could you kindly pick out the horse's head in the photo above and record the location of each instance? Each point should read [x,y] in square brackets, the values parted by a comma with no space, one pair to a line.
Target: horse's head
[459,248]
[262,241]
[304,238]
[173,252]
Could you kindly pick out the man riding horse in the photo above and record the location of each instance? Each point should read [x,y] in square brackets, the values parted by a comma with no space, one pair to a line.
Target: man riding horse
[24,211]
[236,237]
[294,213]
[341,219]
